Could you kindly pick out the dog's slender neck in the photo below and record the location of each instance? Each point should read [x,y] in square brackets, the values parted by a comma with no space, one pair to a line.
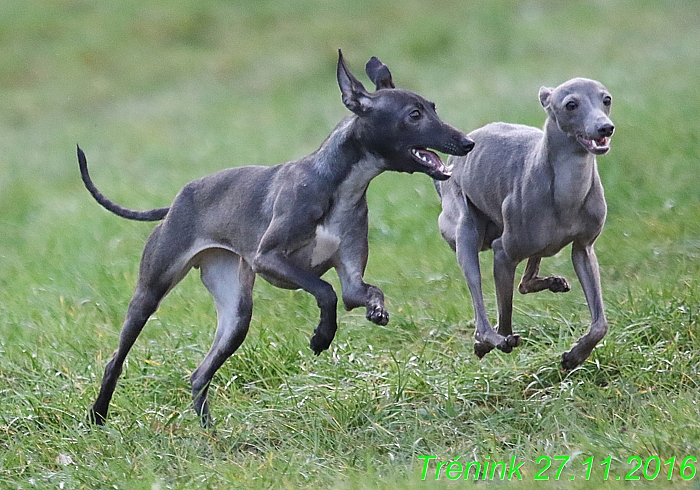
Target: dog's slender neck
[571,164]
[345,162]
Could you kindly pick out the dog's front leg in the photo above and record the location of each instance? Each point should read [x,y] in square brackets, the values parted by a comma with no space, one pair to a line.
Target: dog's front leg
[586,267]
[275,265]
[350,264]
[356,292]
[532,283]
[504,276]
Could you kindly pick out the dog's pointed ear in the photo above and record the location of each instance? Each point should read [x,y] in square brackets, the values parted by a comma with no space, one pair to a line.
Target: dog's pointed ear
[355,97]
[379,73]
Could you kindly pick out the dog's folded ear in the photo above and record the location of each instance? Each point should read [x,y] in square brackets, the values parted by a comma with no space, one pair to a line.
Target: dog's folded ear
[546,99]
[355,97]
[379,73]
[545,95]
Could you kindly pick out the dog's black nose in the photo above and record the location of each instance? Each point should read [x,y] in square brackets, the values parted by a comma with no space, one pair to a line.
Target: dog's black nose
[467,145]
[606,130]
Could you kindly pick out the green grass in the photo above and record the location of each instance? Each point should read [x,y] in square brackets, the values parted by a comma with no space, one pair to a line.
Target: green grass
[159,93]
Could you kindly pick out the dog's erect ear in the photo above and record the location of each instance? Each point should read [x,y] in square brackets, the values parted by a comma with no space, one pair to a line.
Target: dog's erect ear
[355,97]
[379,73]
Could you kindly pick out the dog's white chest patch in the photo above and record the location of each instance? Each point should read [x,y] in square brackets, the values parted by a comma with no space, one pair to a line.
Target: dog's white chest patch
[326,245]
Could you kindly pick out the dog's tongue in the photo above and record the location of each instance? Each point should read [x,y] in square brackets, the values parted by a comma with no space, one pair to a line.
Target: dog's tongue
[436,168]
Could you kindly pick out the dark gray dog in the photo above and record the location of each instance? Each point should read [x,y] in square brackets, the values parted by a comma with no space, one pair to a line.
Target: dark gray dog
[289,224]
[526,194]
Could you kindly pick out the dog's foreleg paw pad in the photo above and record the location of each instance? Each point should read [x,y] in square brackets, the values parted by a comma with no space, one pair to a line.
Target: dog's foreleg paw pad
[378,315]
[558,284]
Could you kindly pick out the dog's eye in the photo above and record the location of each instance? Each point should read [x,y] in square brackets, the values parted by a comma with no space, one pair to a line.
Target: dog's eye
[415,114]
[607,100]
[571,105]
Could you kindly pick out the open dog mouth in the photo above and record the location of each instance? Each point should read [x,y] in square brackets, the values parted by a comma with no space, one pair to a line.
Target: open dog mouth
[434,165]
[595,146]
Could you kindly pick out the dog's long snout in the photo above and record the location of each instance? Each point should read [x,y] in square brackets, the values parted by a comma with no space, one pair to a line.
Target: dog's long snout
[606,129]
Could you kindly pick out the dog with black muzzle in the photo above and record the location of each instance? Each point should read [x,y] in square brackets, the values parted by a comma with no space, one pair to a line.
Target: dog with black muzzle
[288,224]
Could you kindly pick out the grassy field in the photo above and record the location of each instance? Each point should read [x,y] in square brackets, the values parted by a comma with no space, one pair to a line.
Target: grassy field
[159,93]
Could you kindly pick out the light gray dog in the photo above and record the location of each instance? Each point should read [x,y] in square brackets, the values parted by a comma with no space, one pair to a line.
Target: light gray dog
[526,194]
[289,224]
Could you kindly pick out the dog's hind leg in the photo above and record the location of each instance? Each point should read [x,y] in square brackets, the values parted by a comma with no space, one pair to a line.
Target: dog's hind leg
[468,241]
[160,270]
[230,281]
[532,283]
[504,276]
[586,267]
[143,304]
[153,284]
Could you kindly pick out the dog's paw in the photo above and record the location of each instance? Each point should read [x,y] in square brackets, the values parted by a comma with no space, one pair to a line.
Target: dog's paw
[377,314]
[558,284]
[514,340]
[95,418]
[509,343]
[320,342]
[505,347]
[481,349]
[569,361]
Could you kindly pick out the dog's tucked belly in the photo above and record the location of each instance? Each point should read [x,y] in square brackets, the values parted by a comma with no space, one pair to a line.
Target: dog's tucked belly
[541,245]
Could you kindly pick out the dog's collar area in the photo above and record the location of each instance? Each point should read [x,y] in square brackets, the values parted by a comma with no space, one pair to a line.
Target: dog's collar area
[435,167]
[595,146]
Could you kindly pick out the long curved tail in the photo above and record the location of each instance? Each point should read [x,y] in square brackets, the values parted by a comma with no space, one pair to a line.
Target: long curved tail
[150,215]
